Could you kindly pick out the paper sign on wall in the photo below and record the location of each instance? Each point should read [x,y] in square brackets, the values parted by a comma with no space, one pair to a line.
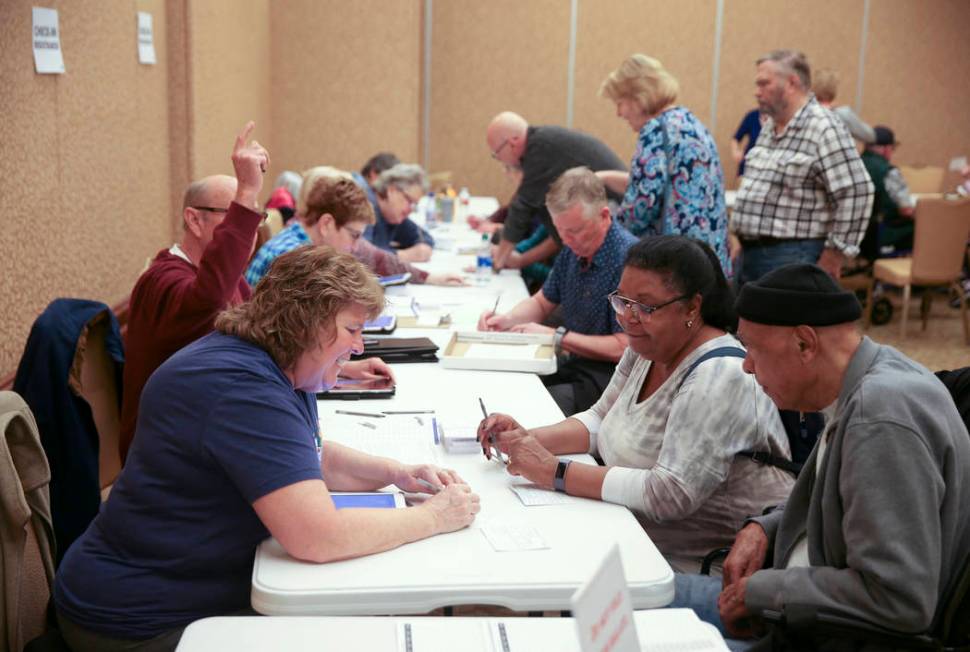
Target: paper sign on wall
[146,39]
[48,58]
[603,610]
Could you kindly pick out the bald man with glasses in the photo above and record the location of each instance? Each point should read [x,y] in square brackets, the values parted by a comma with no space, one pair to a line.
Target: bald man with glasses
[542,153]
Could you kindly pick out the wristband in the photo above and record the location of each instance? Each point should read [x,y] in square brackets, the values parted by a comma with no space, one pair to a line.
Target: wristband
[559,482]
[557,339]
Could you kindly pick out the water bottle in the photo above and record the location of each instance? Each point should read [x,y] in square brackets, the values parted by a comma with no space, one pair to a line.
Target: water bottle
[464,199]
[430,212]
[483,263]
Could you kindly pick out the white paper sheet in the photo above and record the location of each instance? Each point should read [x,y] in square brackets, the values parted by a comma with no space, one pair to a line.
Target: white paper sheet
[509,537]
[533,496]
[400,437]
[146,39]
[502,351]
[48,58]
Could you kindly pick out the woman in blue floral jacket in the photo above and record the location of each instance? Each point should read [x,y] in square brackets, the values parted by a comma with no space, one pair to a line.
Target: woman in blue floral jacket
[675,184]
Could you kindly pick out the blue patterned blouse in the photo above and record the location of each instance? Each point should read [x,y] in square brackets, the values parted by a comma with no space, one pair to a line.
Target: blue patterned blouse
[695,204]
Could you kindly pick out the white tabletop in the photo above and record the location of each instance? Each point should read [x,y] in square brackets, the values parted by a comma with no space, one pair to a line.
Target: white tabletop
[462,567]
[662,629]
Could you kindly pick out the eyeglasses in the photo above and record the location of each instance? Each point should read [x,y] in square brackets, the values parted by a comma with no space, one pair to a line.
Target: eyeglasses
[411,199]
[354,234]
[621,305]
[210,209]
[500,148]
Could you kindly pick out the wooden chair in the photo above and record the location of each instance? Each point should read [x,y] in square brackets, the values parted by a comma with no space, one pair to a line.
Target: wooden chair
[923,180]
[939,247]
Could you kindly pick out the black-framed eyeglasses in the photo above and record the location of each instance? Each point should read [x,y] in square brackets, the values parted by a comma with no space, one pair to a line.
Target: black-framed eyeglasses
[500,148]
[622,305]
[411,199]
[210,209]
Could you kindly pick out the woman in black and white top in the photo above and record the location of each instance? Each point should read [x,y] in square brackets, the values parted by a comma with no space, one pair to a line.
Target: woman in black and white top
[667,432]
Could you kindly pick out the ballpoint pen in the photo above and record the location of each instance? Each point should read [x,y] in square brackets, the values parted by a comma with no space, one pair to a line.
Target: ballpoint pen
[495,307]
[407,411]
[491,437]
[433,488]
[360,414]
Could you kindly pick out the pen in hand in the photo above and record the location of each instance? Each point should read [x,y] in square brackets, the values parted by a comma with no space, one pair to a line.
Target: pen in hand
[491,437]
[432,488]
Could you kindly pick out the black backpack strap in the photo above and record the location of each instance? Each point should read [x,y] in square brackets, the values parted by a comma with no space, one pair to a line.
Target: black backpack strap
[762,457]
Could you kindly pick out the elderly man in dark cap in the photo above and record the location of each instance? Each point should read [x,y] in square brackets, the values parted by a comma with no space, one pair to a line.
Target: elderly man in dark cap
[876,527]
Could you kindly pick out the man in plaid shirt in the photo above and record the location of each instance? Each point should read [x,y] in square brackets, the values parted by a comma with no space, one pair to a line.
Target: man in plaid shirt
[805,195]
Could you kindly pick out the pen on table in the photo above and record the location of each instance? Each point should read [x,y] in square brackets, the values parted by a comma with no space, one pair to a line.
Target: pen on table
[433,488]
[360,414]
[407,411]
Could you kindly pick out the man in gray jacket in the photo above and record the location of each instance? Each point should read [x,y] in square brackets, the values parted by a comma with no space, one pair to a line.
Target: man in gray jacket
[877,526]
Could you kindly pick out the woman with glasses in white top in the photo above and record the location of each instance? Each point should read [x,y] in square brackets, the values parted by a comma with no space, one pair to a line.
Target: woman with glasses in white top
[668,432]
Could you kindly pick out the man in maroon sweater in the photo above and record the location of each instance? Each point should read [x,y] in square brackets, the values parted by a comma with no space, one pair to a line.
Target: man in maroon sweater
[176,300]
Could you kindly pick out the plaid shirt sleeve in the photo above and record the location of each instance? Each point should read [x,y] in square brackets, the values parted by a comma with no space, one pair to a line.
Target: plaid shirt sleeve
[849,189]
[897,189]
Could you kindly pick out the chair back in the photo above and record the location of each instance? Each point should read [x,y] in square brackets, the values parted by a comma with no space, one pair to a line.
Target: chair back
[27,547]
[94,378]
[940,241]
[928,179]
[274,221]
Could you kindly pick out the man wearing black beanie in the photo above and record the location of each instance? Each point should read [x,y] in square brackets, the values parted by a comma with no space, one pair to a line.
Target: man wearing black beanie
[878,523]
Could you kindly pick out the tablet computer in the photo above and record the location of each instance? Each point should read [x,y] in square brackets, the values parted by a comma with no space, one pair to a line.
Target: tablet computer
[394,279]
[350,389]
[384,324]
[368,499]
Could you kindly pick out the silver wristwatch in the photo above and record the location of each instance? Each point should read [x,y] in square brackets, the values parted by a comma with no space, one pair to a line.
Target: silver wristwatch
[557,339]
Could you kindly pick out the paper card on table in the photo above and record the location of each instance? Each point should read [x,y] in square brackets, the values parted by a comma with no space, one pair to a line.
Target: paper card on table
[442,635]
[502,351]
[663,630]
[603,610]
[508,537]
[957,163]
[460,439]
[48,57]
[533,495]
[146,39]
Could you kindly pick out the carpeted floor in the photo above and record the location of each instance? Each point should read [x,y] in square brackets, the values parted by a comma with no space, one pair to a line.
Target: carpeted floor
[940,346]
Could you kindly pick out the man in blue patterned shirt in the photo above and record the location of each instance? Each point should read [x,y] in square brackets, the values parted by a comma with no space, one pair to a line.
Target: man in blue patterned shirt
[585,271]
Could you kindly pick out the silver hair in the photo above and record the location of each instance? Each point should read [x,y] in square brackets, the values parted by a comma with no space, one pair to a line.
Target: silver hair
[791,62]
[401,175]
[291,181]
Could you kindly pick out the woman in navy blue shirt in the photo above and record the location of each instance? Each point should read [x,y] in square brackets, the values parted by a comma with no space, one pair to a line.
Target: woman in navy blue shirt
[226,453]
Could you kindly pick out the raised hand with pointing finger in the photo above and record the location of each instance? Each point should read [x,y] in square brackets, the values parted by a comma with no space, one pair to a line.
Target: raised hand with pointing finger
[249,160]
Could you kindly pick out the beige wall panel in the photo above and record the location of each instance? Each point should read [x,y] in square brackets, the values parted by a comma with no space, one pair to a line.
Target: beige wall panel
[680,35]
[827,31]
[488,57]
[346,82]
[229,49]
[84,172]
[916,78]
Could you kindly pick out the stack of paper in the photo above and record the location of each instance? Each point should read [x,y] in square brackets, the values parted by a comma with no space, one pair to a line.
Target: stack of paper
[405,438]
